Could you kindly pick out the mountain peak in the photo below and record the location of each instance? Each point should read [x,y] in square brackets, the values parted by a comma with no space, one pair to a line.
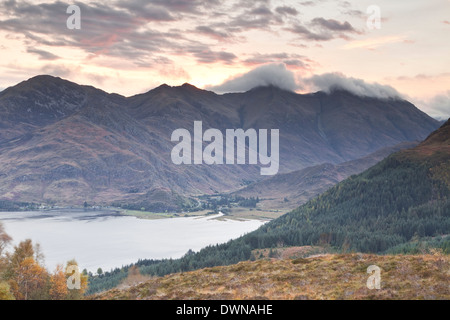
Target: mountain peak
[39,81]
[270,88]
[189,86]
[44,77]
[53,88]
[163,87]
[338,91]
[185,86]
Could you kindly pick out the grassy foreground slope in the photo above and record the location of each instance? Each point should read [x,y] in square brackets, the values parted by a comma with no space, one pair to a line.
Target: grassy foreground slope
[335,276]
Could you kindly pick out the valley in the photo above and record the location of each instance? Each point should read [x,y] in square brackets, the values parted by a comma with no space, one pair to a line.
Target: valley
[356,174]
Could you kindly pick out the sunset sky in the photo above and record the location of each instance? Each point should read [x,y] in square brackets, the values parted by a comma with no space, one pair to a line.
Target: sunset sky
[130,47]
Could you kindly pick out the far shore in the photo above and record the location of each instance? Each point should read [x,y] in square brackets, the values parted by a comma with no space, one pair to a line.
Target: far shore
[237,213]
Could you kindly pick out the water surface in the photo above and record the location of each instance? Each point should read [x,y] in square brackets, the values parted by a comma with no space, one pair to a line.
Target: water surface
[106,239]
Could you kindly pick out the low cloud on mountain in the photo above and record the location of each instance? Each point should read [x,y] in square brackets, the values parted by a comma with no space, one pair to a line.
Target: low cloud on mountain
[272,74]
[280,76]
[334,81]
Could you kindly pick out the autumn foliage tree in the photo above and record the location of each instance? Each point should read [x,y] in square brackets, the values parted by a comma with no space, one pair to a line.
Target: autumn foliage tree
[22,251]
[5,290]
[23,276]
[29,279]
[58,284]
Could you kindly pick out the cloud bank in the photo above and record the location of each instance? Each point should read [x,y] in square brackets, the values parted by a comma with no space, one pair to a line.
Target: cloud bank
[279,76]
[329,82]
[267,75]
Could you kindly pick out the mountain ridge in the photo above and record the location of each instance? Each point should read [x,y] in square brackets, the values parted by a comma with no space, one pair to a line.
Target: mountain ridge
[107,144]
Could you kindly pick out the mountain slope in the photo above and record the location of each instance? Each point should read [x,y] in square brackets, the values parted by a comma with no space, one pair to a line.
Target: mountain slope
[65,143]
[404,196]
[290,190]
[334,128]
[342,111]
[43,100]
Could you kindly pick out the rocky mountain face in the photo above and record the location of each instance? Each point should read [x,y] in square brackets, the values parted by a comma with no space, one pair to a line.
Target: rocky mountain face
[64,143]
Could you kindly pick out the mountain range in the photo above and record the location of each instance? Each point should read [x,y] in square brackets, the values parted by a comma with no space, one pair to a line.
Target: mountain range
[65,143]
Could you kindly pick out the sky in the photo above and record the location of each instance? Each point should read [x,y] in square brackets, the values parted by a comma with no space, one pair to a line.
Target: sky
[372,47]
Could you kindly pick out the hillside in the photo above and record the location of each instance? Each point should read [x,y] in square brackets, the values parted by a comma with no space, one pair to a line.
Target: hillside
[404,196]
[341,277]
[392,207]
[64,143]
[290,190]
